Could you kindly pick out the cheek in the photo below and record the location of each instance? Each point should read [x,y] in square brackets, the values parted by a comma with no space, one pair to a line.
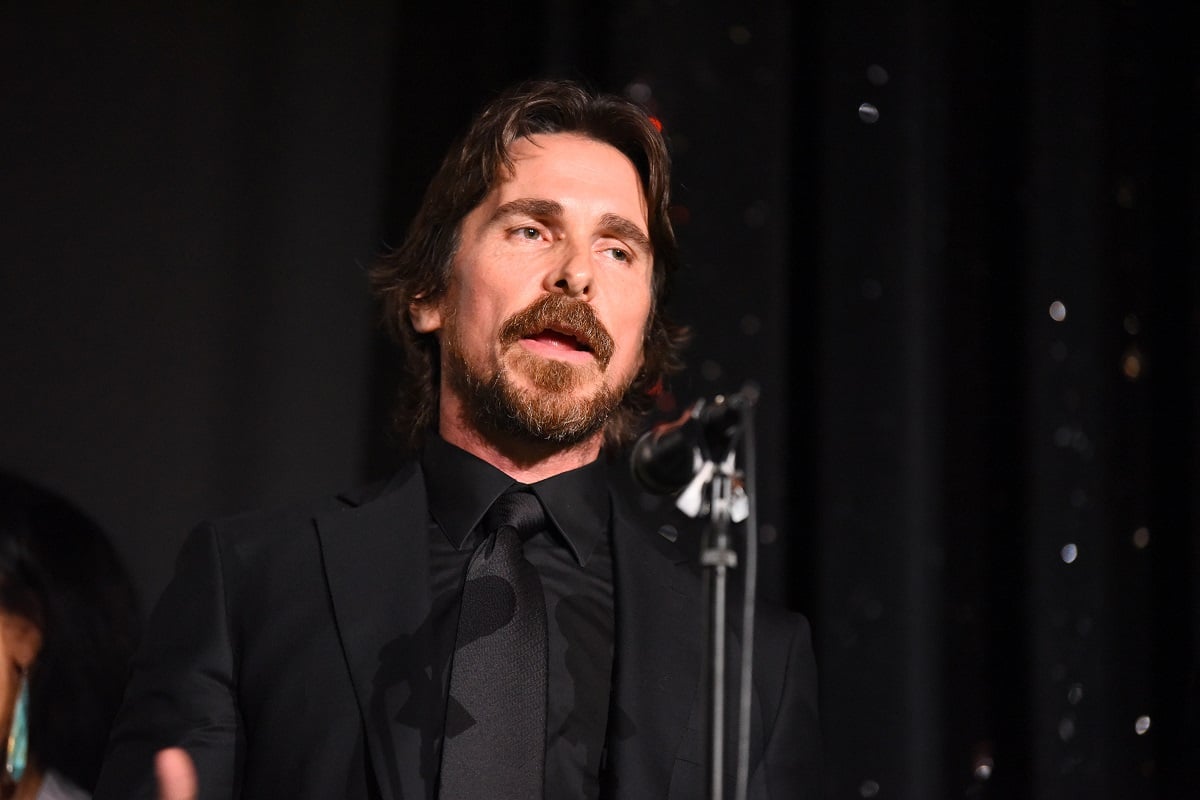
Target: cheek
[479,316]
[477,319]
[631,320]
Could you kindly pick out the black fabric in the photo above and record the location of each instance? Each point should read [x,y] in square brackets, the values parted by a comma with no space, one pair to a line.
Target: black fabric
[495,732]
[285,663]
[461,488]
[573,557]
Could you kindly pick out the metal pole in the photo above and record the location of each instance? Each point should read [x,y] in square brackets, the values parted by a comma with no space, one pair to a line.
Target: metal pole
[718,558]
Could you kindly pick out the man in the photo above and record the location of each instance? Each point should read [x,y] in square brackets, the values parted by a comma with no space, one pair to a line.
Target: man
[344,650]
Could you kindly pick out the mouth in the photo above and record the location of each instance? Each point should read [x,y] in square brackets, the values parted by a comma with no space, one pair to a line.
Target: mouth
[559,339]
[560,328]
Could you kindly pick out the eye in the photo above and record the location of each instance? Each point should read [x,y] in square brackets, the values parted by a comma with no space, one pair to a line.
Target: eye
[618,254]
[528,232]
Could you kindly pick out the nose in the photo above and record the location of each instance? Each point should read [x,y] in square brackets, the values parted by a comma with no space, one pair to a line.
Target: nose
[572,277]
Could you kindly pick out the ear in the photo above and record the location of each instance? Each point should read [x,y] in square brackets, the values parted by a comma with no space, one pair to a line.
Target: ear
[425,314]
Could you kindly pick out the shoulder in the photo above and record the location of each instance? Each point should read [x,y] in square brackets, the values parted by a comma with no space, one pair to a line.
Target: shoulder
[782,637]
[781,624]
[287,539]
[785,634]
[652,519]
[285,520]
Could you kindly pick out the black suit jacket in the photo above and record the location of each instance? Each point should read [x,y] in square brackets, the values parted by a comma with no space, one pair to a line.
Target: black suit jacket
[278,656]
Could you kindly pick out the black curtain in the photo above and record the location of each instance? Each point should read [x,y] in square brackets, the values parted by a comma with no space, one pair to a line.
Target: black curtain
[191,192]
[955,244]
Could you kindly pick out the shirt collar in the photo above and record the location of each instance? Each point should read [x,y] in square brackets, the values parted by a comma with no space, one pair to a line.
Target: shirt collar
[461,488]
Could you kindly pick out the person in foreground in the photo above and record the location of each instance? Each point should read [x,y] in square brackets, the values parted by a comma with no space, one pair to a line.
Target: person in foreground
[500,619]
[68,625]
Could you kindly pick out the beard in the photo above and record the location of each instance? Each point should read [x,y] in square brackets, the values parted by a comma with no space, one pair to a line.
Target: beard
[546,405]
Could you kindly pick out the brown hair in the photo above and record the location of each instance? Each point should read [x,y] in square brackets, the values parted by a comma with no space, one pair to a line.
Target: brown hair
[420,267]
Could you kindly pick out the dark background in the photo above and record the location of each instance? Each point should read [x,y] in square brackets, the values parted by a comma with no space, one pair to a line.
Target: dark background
[988,514]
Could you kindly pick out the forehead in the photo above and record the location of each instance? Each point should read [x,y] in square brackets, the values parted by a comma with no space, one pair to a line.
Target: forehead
[572,167]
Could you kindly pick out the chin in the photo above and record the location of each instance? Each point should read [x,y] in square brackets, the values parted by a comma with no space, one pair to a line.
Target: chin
[553,376]
[530,410]
[537,399]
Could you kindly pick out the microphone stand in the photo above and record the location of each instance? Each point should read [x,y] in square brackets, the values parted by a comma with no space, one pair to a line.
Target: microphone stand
[749,598]
[727,502]
[717,558]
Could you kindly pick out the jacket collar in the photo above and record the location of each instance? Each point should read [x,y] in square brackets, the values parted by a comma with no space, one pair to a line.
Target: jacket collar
[376,563]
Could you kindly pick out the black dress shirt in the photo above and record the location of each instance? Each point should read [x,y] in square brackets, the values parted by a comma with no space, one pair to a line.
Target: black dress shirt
[574,560]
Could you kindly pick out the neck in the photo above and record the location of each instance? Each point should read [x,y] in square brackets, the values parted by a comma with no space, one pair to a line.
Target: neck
[522,459]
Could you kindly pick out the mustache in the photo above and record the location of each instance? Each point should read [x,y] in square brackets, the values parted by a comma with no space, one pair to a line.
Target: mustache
[565,315]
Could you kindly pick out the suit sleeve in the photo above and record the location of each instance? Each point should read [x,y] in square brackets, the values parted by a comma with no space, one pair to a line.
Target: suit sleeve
[791,768]
[182,690]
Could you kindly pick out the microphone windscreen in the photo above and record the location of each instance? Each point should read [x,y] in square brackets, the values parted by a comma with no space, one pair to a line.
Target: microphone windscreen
[664,462]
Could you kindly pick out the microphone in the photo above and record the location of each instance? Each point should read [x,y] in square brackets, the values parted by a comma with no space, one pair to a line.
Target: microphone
[667,457]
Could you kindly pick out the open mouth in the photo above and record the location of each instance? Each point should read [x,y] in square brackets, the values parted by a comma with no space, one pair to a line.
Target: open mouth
[559,339]
[560,328]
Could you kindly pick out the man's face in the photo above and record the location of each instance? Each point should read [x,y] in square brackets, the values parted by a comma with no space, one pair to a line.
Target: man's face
[542,325]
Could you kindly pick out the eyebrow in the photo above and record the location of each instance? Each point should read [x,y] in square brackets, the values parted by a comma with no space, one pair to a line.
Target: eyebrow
[530,206]
[624,229]
[617,225]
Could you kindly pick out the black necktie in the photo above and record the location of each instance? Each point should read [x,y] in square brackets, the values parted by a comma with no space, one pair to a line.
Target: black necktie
[495,737]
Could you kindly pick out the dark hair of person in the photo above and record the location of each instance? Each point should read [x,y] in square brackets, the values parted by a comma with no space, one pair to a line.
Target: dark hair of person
[420,267]
[58,569]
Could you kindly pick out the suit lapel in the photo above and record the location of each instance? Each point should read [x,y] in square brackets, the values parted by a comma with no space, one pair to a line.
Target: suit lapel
[376,564]
[660,654]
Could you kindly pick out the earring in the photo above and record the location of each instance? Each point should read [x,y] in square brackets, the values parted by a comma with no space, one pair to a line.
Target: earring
[17,752]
